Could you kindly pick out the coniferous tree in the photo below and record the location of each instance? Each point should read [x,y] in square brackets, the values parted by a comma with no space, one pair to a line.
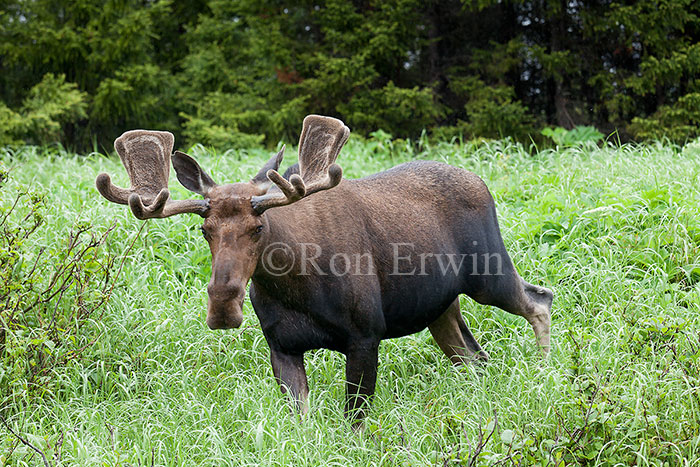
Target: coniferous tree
[238,73]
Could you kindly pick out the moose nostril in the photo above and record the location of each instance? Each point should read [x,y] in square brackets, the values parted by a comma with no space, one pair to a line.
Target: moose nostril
[223,291]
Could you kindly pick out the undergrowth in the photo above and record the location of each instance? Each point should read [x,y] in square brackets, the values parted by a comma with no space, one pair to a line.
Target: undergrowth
[615,231]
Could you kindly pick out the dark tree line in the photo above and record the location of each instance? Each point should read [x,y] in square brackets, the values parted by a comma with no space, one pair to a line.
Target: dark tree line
[236,73]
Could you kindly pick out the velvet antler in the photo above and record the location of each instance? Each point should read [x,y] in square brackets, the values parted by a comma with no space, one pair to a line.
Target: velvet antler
[319,145]
[146,158]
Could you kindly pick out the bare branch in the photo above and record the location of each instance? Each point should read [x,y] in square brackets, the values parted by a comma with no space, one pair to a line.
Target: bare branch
[25,442]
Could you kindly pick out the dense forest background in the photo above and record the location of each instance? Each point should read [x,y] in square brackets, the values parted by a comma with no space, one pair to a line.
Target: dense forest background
[242,73]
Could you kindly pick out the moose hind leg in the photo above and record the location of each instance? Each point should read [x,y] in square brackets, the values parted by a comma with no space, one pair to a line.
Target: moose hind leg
[454,337]
[291,375]
[534,303]
[538,309]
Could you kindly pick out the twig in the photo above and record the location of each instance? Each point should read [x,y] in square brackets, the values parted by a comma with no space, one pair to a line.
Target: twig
[58,447]
[25,442]
[12,208]
[108,294]
[110,428]
[481,442]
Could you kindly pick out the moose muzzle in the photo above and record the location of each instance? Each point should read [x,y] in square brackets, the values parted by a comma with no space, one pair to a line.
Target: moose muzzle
[225,306]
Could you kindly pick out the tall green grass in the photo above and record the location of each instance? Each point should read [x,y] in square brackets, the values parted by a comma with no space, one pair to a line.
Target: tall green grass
[615,231]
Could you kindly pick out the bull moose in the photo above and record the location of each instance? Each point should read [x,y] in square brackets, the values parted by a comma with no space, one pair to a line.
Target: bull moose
[422,234]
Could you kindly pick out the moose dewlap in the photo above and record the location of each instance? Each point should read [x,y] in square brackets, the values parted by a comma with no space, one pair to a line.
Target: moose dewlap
[334,263]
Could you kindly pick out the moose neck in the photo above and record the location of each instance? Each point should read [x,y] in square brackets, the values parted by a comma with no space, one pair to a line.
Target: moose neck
[279,238]
[280,247]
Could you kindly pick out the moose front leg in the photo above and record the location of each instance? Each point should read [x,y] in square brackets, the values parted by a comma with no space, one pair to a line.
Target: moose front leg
[361,378]
[291,375]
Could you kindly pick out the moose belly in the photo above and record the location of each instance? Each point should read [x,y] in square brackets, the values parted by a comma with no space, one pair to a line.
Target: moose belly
[412,313]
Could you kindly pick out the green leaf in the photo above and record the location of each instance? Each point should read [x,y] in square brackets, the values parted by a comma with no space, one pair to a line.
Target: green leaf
[507,436]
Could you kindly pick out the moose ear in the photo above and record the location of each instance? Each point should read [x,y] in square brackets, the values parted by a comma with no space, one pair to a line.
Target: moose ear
[191,175]
[273,164]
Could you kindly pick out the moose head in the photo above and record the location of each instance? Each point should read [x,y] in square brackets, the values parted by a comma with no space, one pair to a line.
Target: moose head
[234,214]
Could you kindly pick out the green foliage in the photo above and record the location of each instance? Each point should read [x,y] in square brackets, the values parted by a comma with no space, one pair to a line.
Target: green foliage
[331,60]
[110,52]
[677,122]
[405,111]
[48,105]
[51,103]
[239,73]
[613,229]
[11,126]
[576,136]
[223,122]
[662,40]
[490,111]
[49,292]
[493,112]
[138,93]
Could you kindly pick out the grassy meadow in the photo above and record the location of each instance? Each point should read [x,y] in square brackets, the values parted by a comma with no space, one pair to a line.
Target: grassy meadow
[614,231]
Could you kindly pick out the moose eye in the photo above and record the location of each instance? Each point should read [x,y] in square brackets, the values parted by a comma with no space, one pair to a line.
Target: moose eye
[258,229]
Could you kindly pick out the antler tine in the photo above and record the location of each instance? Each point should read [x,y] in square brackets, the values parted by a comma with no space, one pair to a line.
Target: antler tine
[146,157]
[320,142]
[162,206]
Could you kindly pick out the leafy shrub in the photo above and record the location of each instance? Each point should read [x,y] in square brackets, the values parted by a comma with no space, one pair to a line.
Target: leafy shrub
[48,295]
[141,94]
[224,121]
[494,112]
[491,111]
[400,111]
[678,122]
[218,136]
[48,105]
[574,137]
